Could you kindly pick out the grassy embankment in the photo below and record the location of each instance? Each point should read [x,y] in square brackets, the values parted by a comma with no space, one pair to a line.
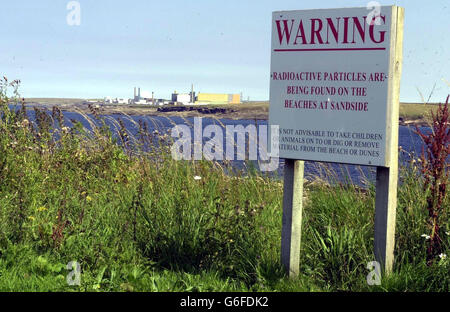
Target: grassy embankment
[137,220]
[409,112]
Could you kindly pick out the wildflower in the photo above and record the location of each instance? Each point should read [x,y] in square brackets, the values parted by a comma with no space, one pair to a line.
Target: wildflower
[25,123]
[31,218]
[89,198]
[427,237]
[443,256]
[197,178]
[40,209]
[448,233]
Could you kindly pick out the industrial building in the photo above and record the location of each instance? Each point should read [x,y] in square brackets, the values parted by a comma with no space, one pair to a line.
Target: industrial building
[190,98]
[147,99]
[205,98]
[110,100]
[138,99]
[184,98]
[218,98]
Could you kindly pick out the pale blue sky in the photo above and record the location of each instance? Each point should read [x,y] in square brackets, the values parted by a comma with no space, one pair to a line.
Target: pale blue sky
[220,46]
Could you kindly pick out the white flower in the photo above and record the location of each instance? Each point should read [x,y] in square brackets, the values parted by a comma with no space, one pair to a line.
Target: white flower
[197,178]
[427,237]
[448,233]
[443,256]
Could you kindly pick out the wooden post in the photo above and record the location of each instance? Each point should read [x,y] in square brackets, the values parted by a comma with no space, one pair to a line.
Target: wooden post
[385,211]
[387,177]
[292,216]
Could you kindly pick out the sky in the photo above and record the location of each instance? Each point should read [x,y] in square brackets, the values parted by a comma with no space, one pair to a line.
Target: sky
[163,46]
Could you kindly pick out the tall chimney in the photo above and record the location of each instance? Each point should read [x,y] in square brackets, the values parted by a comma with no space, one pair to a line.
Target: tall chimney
[139,93]
[135,93]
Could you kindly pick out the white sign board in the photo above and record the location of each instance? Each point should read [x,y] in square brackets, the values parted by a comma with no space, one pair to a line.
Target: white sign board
[329,88]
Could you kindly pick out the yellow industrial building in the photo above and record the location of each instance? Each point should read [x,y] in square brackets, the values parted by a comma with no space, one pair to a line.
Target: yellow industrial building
[217,98]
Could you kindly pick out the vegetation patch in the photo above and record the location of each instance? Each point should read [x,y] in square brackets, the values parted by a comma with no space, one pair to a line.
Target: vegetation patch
[137,220]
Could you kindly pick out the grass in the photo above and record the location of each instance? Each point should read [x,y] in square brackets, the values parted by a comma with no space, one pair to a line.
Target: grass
[408,111]
[417,111]
[137,220]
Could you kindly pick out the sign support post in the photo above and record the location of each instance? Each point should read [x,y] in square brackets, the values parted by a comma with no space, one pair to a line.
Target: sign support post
[385,210]
[291,231]
[387,177]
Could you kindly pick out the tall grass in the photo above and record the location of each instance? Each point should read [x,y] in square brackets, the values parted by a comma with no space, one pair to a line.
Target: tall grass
[137,220]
